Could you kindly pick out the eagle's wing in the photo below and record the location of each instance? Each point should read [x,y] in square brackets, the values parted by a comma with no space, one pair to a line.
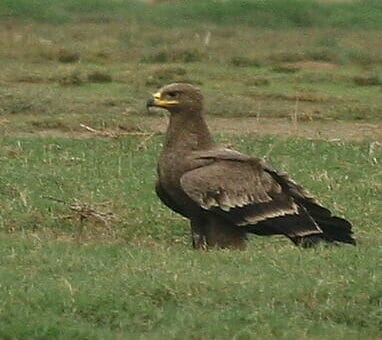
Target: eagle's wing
[334,228]
[248,193]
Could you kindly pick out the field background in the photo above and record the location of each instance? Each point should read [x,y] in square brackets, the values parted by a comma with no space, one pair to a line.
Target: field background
[89,252]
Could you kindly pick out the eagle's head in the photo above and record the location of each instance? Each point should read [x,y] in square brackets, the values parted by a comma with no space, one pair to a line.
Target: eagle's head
[178,98]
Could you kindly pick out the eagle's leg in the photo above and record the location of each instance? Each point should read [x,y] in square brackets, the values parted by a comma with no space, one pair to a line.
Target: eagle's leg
[199,240]
[213,232]
[307,241]
[223,235]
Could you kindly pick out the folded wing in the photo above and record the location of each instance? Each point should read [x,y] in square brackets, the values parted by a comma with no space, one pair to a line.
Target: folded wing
[248,194]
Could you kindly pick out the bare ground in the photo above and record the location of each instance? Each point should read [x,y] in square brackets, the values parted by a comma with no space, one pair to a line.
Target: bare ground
[324,130]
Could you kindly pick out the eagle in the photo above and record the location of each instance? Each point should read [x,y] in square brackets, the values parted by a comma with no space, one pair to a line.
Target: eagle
[226,194]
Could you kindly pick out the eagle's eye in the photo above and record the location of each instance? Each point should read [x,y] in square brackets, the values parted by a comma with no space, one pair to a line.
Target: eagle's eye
[172,94]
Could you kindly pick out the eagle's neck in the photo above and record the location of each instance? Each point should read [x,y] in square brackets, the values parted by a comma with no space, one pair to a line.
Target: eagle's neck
[188,132]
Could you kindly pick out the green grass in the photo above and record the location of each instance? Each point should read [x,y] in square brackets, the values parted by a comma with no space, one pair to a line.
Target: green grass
[134,274]
[270,14]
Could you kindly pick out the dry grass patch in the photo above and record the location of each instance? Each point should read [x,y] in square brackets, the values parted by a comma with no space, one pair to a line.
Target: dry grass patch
[285,68]
[99,77]
[174,55]
[257,81]
[169,74]
[372,80]
[67,56]
[72,79]
[245,61]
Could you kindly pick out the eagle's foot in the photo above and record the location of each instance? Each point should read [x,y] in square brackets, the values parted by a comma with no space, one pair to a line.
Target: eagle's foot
[199,241]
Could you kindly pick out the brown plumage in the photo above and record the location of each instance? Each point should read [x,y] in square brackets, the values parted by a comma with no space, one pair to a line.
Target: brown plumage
[226,194]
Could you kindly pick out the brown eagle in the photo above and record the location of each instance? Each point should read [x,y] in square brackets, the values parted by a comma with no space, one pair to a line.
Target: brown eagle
[226,194]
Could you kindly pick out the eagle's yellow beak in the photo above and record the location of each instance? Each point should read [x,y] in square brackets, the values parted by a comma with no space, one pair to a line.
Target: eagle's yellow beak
[157,100]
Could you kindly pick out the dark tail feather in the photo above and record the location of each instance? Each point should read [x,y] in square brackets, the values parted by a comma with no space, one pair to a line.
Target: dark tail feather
[335,229]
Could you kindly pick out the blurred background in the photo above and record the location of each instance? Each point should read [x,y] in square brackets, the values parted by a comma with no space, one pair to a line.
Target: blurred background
[96,61]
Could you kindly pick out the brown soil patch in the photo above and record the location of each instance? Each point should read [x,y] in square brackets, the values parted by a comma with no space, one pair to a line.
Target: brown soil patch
[314,65]
[326,130]
[323,130]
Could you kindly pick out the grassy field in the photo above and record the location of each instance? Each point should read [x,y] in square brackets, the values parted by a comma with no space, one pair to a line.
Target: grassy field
[87,251]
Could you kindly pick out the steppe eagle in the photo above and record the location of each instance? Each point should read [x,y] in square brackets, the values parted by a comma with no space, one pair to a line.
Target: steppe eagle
[226,194]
